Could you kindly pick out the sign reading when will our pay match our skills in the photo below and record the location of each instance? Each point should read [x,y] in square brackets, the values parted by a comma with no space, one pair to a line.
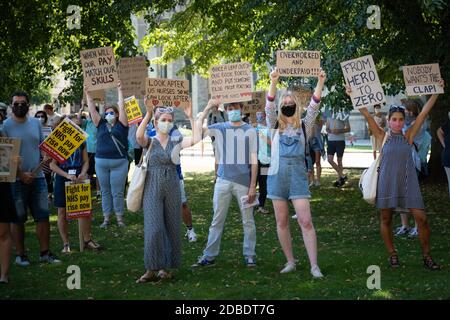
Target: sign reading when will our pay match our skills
[422,79]
[231,82]
[361,75]
[99,68]
[78,199]
[63,141]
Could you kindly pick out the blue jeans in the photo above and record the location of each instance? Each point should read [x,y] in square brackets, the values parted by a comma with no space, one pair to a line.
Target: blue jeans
[33,196]
[223,192]
[112,175]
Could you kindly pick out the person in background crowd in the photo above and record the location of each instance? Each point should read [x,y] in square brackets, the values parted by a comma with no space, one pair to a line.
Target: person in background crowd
[263,159]
[52,117]
[3,112]
[215,116]
[398,184]
[30,189]
[381,121]
[42,116]
[111,156]
[317,149]
[73,169]
[91,143]
[443,134]
[337,126]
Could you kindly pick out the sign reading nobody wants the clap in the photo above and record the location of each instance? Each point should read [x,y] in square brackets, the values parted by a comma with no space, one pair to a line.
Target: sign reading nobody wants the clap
[63,141]
[99,68]
[78,199]
[422,79]
[298,63]
[134,113]
[132,74]
[361,75]
[231,82]
[167,92]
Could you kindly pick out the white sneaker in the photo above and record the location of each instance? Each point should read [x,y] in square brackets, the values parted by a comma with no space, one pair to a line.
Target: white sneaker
[262,210]
[315,271]
[413,233]
[104,224]
[401,231]
[191,235]
[288,267]
[294,216]
[66,249]
[22,261]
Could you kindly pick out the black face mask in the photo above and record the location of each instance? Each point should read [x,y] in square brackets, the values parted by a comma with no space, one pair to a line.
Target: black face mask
[20,110]
[288,110]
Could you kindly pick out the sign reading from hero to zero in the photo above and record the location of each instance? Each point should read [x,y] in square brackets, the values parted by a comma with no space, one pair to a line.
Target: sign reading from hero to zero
[231,82]
[292,63]
[99,68]
[167,92]
[422,79]
[361,75]
[132,74]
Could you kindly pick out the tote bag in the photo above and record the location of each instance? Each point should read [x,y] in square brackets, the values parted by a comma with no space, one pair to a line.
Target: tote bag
[136,187]
[369,179]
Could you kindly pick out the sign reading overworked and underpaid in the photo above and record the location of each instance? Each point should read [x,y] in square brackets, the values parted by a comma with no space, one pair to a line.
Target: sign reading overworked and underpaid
[422,79]
[63,141]
[78,199]
[361,75]
[99,68]
[231,82]
[298,63]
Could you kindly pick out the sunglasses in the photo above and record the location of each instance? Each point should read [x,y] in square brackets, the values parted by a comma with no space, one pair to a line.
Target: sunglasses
[394,108]
[21,104]
[109,113]
[165,109]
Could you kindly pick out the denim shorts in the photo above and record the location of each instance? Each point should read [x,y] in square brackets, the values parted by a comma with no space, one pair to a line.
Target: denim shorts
[291,181]
[33,196]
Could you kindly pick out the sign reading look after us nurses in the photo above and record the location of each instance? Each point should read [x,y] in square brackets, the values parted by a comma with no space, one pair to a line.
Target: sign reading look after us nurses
[99,68]
[294,63]
[167,92]
[78,199]
[422,79]
[231,82]
[63,141]
[361,75]
[134,113]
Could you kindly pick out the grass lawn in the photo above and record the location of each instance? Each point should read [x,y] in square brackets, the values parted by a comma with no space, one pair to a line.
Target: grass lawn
[348,243]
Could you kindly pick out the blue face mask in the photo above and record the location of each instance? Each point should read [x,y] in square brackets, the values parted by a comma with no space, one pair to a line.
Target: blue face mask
[234,115]
[260,118]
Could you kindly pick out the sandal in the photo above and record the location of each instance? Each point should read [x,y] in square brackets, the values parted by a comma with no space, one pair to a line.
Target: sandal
[429,264]
[162,274]
[393,260]
[91,245]
[152,277]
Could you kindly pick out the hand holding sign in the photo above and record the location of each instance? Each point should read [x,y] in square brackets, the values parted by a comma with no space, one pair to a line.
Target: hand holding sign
[188,110]
[274,75]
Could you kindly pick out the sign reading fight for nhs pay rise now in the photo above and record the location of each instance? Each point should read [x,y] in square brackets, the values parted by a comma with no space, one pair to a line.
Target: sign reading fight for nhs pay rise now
[63,141]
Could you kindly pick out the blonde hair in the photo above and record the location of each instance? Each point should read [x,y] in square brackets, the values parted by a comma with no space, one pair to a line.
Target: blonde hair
[282,119]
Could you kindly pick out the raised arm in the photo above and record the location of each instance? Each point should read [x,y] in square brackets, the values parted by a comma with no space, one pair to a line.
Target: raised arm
[189,141]
[141,136]
[313,108]
[271,115]
[122,114]
[95,116]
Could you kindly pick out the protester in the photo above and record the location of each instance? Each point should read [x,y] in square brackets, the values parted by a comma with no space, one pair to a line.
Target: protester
[91,142]
[73,169]
[52,117]
[380,119]
[317,149]
[263,159]
[236,176]
[30,189]
[162,196]
[398,184]
[111,156]
[42,116]
[3,113]
[337,126]
[288,179]
[443,134]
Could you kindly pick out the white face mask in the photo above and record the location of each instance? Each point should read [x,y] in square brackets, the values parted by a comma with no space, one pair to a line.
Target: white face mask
[165,127]
[110,118]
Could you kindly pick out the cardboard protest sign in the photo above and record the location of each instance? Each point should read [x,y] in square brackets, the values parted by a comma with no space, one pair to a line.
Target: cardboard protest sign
[231,82]
[63,141]
[422,79]
[291,63]
[258,103]
[361,75]
[167,92]
[78,199]
[302,95]
[99,68]
[98,95]
[132,74]
[134,113]
[9,149]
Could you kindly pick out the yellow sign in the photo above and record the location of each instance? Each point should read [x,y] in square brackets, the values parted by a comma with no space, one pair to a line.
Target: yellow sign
[78,199]
[134,113]
[63,141]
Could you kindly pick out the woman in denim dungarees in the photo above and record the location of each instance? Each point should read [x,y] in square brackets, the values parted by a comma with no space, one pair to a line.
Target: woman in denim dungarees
[288,178]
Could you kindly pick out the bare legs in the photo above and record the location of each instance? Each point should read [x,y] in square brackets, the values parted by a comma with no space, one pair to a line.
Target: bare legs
[5,251]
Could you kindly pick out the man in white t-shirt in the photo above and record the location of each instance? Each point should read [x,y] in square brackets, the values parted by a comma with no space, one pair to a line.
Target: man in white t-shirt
[52,116]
